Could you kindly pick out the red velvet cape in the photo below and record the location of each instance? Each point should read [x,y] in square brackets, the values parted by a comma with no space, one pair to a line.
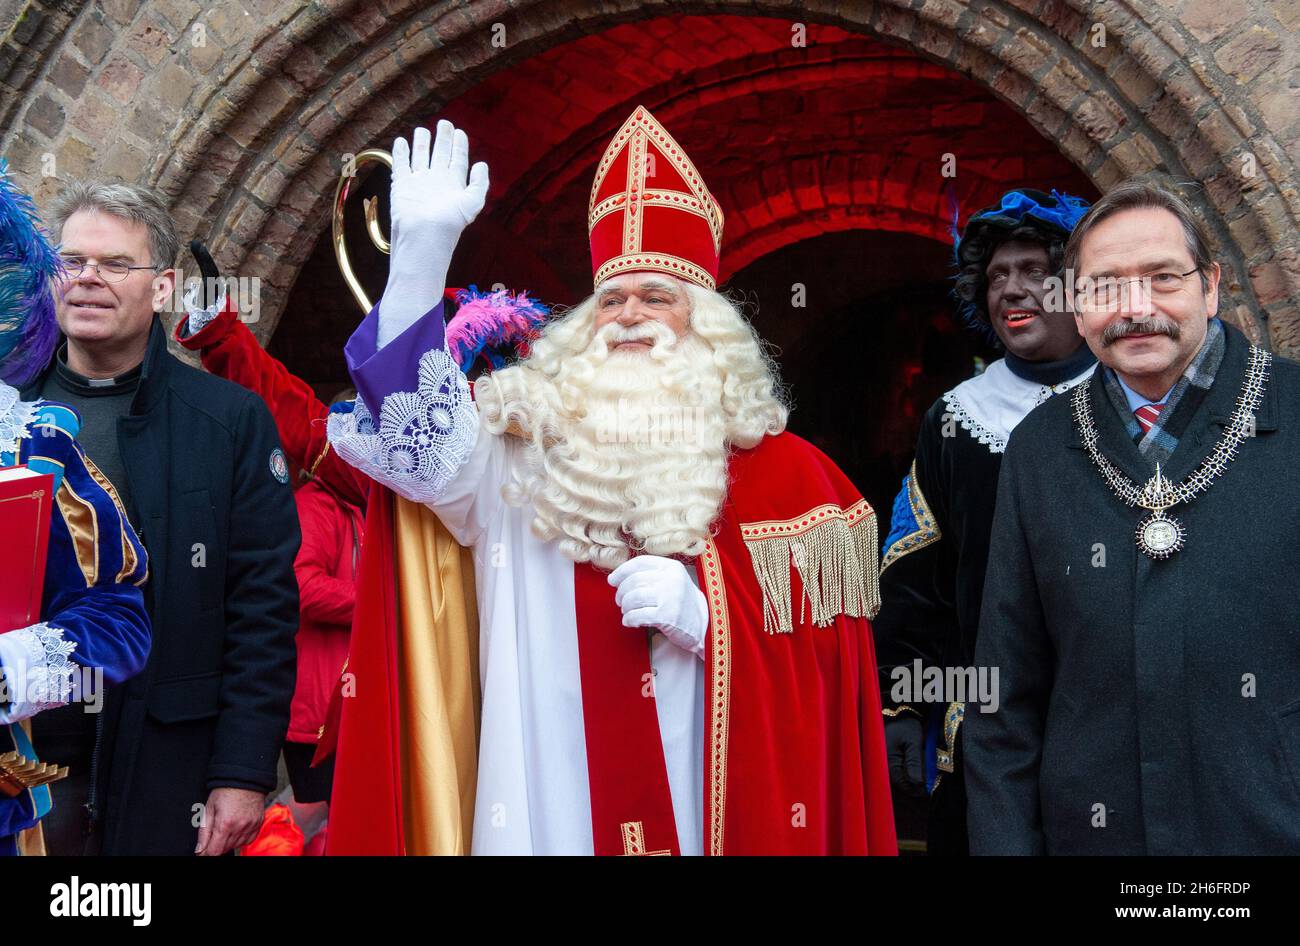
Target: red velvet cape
[794,742]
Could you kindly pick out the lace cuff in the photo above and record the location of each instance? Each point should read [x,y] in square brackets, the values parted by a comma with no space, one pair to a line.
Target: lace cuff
[421,439]
[16,417]
[198,318]
[37,672]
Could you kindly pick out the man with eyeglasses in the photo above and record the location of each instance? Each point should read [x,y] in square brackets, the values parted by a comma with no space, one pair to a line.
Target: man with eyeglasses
[183,756]
[1141,600]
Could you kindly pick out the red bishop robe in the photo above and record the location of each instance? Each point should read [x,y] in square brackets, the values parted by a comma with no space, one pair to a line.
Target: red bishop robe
[794,746]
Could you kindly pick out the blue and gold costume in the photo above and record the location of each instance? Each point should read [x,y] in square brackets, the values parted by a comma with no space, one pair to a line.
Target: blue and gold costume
[92,609]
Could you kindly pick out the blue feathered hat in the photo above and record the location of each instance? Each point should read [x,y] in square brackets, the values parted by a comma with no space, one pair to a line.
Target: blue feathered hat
[28,266]
[1024,212]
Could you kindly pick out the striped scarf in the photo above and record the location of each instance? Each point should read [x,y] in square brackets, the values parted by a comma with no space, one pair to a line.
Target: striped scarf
[1159,443]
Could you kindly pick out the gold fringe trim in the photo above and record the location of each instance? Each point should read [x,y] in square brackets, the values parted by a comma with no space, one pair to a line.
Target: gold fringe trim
[837,554]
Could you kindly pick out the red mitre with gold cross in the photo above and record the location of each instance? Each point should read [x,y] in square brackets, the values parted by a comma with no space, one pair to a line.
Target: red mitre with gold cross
[650,209]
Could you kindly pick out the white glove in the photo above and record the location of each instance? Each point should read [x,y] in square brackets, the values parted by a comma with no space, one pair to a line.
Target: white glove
[658,592]
[431,205]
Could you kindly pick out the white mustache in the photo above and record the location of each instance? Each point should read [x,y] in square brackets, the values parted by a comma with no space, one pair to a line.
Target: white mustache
[655,333]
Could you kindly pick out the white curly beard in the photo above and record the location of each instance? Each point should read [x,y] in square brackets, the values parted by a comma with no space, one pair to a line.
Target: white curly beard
[627,449]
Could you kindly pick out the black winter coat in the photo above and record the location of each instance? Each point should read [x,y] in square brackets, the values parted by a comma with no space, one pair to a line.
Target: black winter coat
[213,505]
[1147,707]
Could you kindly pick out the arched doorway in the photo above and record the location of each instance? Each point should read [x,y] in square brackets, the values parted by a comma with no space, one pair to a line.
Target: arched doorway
[840,163]
[1112,97]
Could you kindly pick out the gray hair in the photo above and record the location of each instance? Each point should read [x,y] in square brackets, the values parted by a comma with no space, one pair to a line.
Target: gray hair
[127,202]
[1138,193]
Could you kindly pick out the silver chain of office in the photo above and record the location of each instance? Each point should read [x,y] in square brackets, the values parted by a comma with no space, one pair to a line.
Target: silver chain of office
[1160,536]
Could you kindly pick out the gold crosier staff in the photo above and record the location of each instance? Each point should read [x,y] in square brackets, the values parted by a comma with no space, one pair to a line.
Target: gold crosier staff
[346,179]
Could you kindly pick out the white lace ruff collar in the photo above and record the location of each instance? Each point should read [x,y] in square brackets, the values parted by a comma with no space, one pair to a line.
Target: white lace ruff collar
[990,405]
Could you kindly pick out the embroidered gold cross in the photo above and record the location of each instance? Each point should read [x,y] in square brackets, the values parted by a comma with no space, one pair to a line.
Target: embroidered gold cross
[634,841]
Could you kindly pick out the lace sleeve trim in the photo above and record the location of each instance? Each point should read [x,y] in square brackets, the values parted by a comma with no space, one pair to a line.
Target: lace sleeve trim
[421,440]
[199,317]
[38,672]
[16,417]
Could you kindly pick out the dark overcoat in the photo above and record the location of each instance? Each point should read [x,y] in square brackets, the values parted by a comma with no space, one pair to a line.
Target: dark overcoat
[1146,707]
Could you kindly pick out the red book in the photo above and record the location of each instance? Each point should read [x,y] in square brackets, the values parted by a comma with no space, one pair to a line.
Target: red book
[25,502]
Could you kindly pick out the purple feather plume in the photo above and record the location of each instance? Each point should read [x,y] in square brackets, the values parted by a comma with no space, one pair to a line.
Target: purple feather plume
[494,325]
[28,266]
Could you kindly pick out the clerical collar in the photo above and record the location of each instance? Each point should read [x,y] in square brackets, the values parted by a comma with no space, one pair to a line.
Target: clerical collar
[1051,372]
[94,387]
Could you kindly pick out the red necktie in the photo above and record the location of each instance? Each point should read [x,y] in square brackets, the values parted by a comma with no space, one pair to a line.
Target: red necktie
[1147,414]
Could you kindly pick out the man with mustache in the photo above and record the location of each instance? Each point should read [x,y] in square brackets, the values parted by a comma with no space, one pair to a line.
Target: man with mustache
[1141,600]
[932,574]
[674,593]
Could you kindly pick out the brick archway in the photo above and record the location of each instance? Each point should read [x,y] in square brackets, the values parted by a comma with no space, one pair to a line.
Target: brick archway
[870,193]
[841,184]
[248,128]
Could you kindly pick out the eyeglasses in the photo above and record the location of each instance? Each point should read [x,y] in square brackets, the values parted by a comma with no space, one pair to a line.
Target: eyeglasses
[1106,293]
[113,270]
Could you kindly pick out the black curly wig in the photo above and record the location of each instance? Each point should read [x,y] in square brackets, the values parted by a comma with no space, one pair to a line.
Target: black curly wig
[989,229]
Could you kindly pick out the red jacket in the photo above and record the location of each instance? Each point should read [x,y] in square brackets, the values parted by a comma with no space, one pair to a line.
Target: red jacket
[326,568]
